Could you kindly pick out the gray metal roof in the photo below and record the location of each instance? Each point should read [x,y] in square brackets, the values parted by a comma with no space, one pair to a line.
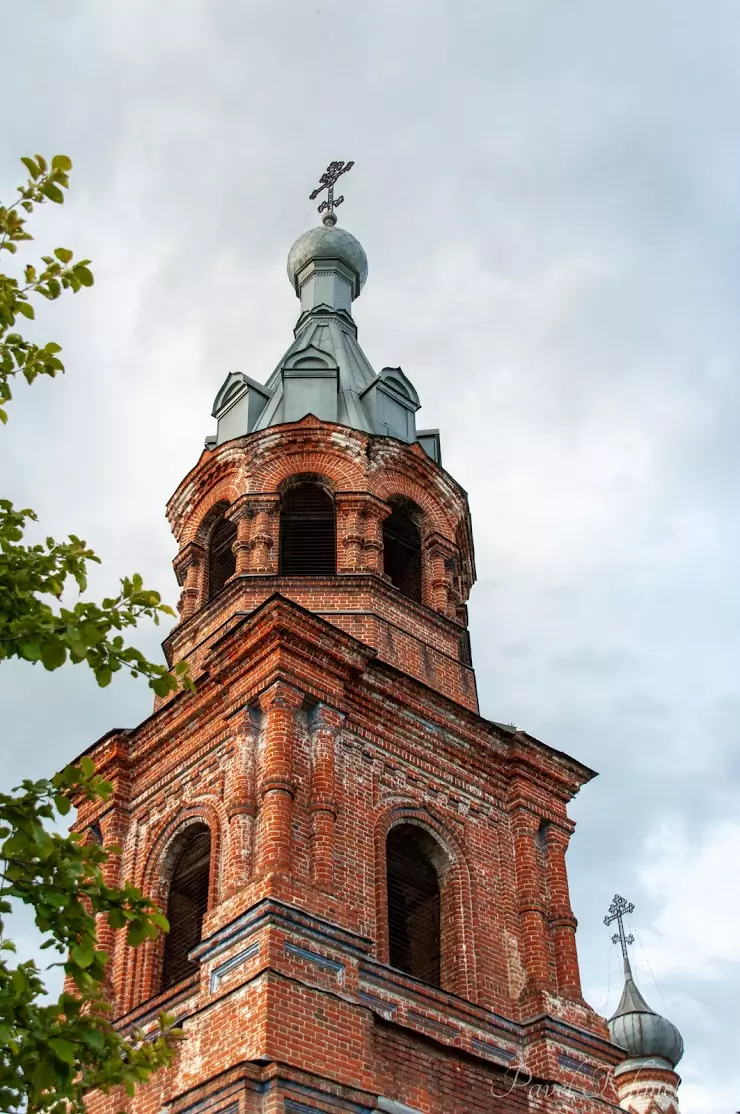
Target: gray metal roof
[324,371]
[639,1030]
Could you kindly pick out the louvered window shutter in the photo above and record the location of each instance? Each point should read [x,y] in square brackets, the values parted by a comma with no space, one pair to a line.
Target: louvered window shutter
[186,906]
[402,553]
[414,911]
[308,542]
[221,557]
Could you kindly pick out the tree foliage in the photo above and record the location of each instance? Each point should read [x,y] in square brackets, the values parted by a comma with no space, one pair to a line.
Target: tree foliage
[52,1052]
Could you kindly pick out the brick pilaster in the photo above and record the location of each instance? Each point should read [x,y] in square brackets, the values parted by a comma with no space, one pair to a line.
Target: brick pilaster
[326,723]
[279,703]
[525,826]
[350,531]
[240,806]
[114,829]
[562,922]
[189,566]
[375,514]
[440,593]
[263,540]
[240,512]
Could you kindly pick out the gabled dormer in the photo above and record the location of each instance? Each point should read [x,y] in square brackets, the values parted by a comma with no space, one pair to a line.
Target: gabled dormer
[391,402]
[310,385]
[238,405]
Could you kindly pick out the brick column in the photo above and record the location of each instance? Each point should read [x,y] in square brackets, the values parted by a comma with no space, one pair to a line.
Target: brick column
[375,514]
[525,826]
[240,512]
[113,827]
[562,922]
[440,592]
[240,806]
[326,723]
[350,531]
[264,530]
[279,703]
[189,565]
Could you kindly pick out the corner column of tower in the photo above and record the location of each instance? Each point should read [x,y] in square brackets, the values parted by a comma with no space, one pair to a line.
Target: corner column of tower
[323,801]
[279,704]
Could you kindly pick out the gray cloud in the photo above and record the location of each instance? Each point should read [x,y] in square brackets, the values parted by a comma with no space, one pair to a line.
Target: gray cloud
[547,195]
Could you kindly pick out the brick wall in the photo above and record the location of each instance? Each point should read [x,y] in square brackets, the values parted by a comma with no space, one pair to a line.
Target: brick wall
[325,715]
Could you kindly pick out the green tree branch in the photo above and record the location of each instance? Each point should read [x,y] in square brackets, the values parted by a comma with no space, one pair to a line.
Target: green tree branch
[52,1053]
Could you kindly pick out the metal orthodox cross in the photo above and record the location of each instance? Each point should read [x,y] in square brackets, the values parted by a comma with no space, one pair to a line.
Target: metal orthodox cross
[327,181]
[619,909]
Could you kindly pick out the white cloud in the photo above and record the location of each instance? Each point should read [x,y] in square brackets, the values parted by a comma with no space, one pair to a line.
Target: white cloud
[691,876]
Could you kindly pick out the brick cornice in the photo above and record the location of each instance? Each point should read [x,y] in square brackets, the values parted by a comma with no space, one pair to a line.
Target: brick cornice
[278,625]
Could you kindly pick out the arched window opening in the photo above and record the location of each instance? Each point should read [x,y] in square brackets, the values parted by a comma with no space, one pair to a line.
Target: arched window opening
[186,905]
[308,543]
[402,553]
[221,556]
[414,908]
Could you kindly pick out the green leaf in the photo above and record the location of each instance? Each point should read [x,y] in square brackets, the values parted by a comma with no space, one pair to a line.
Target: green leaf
[104,676]
[52,191]
[84,275]
[64,254]
[31,167]
[20,980]
[162,686]
[61,162]
[58,901]
[63,1050]
[87,766]
[94,1038]
[83,957]
[52,347]
[53,654]
[45,1074]
[26,310]
[63,804]
[136,934]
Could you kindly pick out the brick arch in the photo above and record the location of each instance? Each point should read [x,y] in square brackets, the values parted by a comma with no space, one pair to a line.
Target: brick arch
[287,459]
[386,483]
[154,881]
[209,520]
[200,519]
[297,478]
[458,920]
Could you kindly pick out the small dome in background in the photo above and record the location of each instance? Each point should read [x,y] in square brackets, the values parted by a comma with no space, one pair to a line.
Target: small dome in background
[640,1031]
[327,243]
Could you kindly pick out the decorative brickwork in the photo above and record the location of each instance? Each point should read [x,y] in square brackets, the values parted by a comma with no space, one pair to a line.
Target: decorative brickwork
[330,711]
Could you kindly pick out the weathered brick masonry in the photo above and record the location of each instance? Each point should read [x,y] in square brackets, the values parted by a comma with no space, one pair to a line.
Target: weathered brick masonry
[327,712]
[365,880]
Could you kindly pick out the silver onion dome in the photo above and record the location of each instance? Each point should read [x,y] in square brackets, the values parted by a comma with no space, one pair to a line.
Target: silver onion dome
[327,242]
[642,1032]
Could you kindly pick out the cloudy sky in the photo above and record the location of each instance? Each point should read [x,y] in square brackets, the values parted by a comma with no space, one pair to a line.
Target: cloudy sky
[548,196]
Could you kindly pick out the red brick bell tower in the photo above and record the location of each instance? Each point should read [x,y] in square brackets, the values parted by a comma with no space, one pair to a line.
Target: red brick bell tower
[365,880]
